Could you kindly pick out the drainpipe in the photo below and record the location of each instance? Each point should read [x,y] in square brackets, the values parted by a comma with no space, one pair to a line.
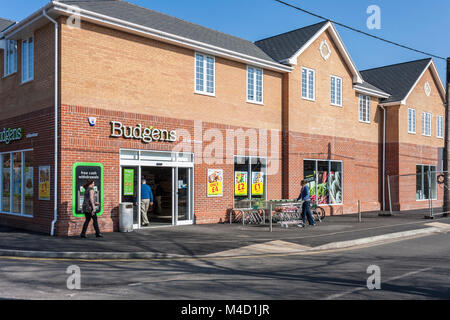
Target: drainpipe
[384,157]
[55,205]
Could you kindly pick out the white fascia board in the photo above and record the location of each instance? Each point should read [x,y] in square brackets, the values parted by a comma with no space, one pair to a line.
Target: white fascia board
[357,78]
[97,18]
[435,73]
[19,26]
[393,103]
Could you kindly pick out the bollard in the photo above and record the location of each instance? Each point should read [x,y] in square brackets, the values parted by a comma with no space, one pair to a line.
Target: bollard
[359,211]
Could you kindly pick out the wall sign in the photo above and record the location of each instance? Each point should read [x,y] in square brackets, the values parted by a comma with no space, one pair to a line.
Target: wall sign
[82,172]
[44,183]
[240,183]
[215,182]
[7,135]
[145,134]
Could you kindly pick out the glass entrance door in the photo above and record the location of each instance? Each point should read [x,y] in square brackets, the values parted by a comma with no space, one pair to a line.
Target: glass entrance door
[183,196]
[130,190]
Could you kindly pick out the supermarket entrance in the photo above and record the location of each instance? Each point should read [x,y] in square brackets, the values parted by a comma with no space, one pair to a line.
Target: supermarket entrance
[171,182]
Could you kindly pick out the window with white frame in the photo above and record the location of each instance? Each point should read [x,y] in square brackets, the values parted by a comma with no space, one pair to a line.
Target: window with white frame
[16,187]
[204,74]
[336,91]
[426,182]
[28,59]
[10,57]
[440,127]
[364,108]
[254,85]
[411,120]
[426,123]
[308,84]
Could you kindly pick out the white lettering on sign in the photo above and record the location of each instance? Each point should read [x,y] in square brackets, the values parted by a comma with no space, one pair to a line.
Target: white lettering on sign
[147,134]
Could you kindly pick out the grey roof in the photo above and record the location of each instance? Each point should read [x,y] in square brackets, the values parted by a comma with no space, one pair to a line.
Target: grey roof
[369,86]
[5,24]
[397,79]
[148,18]
[284,46]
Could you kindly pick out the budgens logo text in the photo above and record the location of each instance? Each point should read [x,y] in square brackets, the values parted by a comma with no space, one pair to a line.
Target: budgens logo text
[139,132]
[7,135]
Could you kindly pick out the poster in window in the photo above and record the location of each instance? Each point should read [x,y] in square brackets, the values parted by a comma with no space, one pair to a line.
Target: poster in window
[240,183]
[44,183]
[257,183]
[215,183]
[128,182]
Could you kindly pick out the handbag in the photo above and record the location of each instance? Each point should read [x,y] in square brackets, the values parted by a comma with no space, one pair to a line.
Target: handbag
[87,208]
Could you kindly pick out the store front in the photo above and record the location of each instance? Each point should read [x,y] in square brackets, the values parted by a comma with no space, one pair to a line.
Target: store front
[171,178]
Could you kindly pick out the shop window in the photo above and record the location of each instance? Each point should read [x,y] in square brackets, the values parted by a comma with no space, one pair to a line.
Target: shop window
[250,180]
[324,179]
[6,182]
[426,182]
[17,187]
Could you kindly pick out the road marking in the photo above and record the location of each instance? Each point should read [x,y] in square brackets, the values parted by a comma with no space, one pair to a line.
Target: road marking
[345,293]
[439,225]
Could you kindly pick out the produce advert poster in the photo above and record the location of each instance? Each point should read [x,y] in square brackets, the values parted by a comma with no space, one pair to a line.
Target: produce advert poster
[215,183]
[240,183]
[257,183]
[44,183]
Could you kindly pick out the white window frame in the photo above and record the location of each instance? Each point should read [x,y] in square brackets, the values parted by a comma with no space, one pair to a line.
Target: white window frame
[440,127]
[7,68]
[426,123]
[27,74]
[255,93]
[205,74]
[412,122]
[422,166]
[308,87]
[366,100]
[336,91]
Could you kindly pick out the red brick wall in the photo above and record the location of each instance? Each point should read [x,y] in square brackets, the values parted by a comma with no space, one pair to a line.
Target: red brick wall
[82,143]
[361,169]
[40,122]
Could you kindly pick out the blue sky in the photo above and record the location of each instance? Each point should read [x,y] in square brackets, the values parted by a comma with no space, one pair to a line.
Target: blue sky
[420,24]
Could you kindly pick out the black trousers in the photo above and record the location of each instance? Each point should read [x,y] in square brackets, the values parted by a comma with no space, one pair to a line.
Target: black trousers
[90,216]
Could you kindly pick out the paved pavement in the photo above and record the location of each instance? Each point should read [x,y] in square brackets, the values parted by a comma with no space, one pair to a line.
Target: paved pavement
[216,239]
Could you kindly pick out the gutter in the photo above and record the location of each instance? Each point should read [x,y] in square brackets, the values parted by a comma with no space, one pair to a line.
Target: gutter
[55,188]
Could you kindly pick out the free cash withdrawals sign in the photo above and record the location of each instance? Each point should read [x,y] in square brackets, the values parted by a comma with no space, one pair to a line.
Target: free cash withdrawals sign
[82,172]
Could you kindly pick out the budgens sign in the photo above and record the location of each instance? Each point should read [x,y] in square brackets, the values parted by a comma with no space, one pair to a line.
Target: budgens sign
[7,135]
[139,132]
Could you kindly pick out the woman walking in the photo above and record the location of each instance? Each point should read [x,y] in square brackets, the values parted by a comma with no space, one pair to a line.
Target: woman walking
[90,209]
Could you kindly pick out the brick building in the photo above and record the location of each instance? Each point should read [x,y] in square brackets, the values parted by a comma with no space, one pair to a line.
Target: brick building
[207,118]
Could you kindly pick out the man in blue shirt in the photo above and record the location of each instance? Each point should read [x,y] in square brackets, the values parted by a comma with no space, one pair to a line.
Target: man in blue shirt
[304,196]
[146,201]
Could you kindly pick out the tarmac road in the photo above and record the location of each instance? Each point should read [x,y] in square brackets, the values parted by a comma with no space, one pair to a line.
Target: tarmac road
[410,269]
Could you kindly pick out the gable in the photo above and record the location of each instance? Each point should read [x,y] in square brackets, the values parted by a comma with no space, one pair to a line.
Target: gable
[426,92]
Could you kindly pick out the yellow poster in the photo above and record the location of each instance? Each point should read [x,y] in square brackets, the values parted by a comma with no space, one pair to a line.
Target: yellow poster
[44,183]
[240,183]
[215,182]
[257,183]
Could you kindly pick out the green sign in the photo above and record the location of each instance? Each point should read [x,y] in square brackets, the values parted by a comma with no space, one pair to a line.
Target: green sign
[82,172]
[8,135]
[128,182]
